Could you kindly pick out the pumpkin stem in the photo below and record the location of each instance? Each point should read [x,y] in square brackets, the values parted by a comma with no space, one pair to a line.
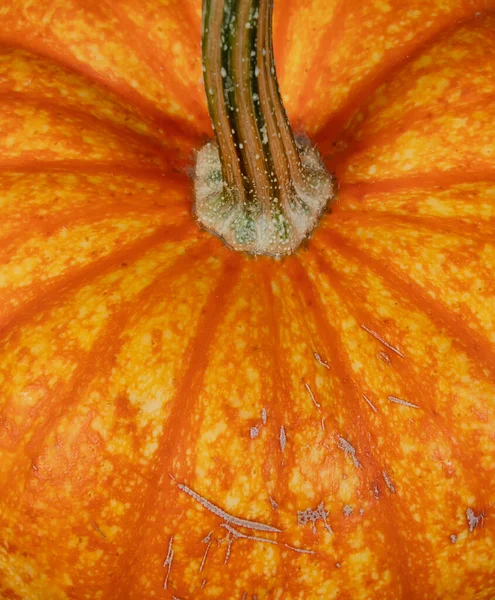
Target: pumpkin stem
[258,188]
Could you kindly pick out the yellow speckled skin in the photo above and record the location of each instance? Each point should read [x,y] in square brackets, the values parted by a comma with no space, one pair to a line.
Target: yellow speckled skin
[157,388]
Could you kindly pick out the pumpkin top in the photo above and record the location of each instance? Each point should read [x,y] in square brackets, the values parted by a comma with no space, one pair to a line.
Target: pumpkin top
[180,420]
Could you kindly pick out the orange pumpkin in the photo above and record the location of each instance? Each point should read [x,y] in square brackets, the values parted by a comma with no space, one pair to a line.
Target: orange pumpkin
[182,420]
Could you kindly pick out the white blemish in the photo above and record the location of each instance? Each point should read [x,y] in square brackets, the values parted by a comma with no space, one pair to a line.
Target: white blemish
[206,540]
[168,562]
[370,403]
[453,538]
[396,400]
[254,432]
[349,450]
[264,415]
[473,520]
[301,550]
[283,439]
[229,549]
[310,391]
[361,511]
[312,516]
[321,361]
[380,339]
[273,503]
[376,491]
[224,515]
[388,482]
[347,510]
[338,565]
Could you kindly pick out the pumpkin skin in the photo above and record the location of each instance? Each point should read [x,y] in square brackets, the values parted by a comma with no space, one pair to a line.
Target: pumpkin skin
[142,361]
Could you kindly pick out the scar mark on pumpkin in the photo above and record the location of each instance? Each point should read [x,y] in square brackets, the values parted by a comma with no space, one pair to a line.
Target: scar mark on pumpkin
[473,520]
[283,439]
[300,550]
[254,432]
[238,535]
[312,396]
[321,361]
[388,482]
[347,510]
[370,403]
[168,562]
[99,530]
[384,357]
[312,516]
[264,415]
[273,503]
[228,518]
[349,450]
[384,342]
[206,540]
[203,583]
[254,538]
[396,400]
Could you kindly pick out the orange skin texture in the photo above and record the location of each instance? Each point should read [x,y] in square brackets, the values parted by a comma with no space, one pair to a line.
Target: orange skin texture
[138,353]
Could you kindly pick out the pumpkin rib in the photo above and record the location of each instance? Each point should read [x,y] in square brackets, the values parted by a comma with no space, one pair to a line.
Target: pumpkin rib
[83,216]
[360,95]
[173,125]
[427,181]
[82,167]
[469,460]
[475,346]
[148,148]
[146,50]
[340,362]
[471,229]
[153,144]
[58,289]
[102,354]
[169,450]
[105,349]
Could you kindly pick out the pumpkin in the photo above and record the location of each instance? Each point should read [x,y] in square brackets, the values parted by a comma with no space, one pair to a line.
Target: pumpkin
[180,419]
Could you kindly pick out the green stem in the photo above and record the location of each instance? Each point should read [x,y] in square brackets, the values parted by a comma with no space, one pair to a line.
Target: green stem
[257,188]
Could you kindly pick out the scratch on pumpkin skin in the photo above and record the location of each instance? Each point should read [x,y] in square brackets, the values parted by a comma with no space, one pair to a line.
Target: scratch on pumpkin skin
[370,403]
[264,416]
[349,450]
[310,391]
[322,362]
[283,440]
[385,343]
[206,540]
[203,583]
[396,400]
[238,535]
[228,518]
[168,562]
[98,529]
[388,482]
[383,356]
